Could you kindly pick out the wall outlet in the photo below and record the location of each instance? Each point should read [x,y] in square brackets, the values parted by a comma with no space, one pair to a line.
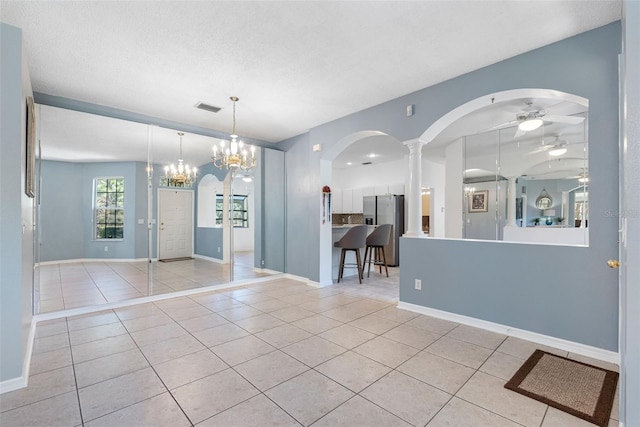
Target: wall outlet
[218,249]
[419,284]
[106,248]
[262,262]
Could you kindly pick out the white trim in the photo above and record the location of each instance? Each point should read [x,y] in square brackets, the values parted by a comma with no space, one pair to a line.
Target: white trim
[23,380]
[208,258]
[443,122]
[570,346]
[69,261]
[308,281]
[266,270]
[13,384]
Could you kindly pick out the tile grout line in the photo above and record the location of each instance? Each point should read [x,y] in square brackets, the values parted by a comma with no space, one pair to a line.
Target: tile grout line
[75,377]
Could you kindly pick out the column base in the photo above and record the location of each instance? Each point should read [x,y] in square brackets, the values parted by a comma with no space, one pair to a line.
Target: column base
[415,235]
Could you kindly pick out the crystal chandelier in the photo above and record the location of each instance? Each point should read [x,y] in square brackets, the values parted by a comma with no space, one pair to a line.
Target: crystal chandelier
[181,176]
[234,155]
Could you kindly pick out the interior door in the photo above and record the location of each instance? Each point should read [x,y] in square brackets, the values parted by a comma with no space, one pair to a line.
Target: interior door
[175,238]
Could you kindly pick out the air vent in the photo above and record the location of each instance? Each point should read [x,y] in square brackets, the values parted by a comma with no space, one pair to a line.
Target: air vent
[207,107]
[367,163]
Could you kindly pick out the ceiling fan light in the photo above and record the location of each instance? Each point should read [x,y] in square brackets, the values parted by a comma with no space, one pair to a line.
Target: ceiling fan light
[557,152]
[530,124]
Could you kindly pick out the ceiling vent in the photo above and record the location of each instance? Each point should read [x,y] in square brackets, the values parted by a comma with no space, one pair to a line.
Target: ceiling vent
[367,163]
[207,107]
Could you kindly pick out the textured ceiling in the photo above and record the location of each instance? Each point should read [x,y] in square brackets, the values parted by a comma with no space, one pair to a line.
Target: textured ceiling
[294,65]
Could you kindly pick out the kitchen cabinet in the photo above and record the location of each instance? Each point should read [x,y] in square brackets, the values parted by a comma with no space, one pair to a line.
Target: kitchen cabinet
[347,201]
[368,191]
[381,190]
[351,200]
[357,200]
[336,201]
[397,189]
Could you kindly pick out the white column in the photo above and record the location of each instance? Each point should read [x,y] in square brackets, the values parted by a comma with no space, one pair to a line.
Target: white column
[414,197]
[511,202]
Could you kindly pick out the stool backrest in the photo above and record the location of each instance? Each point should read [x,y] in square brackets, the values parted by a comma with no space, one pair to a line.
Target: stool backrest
[355,238]
[380,236]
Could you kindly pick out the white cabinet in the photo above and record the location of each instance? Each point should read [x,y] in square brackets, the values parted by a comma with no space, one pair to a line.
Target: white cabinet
[336,201]
[396,189]
[381,190]
[368,191]
[351,200]
[357,200]
[347,201]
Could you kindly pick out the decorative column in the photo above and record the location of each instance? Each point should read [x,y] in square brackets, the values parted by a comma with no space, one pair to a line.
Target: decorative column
[511,202]
[414,195]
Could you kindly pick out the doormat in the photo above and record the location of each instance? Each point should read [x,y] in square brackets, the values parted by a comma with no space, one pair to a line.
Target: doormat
[176,259]
[576,388]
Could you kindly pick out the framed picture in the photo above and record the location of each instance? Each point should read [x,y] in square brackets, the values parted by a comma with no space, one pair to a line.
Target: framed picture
[479,201]
[30,176]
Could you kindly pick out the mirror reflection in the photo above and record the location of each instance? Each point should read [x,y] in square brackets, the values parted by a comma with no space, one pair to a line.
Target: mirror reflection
[128,210]
[523,172]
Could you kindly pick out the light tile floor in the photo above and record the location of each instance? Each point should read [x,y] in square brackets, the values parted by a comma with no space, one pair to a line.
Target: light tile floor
[82,284]
[273,353]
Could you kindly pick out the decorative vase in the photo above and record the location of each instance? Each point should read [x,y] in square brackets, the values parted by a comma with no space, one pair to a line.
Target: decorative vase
[549,221]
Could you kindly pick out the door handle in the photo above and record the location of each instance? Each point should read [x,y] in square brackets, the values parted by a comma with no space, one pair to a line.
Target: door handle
[613,263]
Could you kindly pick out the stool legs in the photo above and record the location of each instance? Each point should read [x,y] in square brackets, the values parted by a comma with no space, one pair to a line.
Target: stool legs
[378,259]
[341,269]
[360,264]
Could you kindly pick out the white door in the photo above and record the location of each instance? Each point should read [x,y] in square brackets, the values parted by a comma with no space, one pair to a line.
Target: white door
[176,224]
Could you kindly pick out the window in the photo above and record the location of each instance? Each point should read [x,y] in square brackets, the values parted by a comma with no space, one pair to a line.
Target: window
[240,211]
[109,208]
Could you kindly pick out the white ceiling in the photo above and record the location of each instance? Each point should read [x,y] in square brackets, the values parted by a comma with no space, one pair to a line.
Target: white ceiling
[294,65]
[74,136]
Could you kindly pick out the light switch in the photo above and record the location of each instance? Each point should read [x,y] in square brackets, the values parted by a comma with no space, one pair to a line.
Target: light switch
[141,221]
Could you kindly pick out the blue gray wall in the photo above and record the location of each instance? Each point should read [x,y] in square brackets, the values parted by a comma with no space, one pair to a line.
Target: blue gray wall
[560,291]
[66,207]
[584,65]
[16,209]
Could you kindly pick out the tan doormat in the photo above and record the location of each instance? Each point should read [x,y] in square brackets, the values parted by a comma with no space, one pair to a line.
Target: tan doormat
[577,388]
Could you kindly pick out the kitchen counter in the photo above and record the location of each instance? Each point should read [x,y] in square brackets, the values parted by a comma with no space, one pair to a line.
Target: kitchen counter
[346,226]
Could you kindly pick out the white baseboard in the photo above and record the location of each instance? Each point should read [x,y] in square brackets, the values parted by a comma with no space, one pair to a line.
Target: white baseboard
[308,281]
[570,346]
[208,258]
[23,380]
[266,270]
[70,261]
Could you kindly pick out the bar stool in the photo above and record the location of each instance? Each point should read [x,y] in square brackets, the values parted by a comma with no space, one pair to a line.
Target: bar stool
[354,240]
[377,241]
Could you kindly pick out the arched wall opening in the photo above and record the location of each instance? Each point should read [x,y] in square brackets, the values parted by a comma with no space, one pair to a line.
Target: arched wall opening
[473,123]
[326,176]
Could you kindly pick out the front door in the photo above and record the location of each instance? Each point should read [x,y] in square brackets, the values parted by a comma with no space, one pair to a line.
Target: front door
[176,224]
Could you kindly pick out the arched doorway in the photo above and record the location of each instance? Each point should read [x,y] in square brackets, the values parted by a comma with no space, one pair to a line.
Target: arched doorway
[357,166]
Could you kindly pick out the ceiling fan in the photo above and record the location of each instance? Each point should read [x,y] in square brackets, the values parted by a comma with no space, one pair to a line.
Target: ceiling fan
[532,118]
[557,147]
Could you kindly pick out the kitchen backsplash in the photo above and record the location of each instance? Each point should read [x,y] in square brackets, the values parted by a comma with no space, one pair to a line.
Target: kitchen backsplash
[356,218]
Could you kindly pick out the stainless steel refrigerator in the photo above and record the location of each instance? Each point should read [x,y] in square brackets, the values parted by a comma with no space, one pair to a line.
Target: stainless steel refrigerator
[388,209]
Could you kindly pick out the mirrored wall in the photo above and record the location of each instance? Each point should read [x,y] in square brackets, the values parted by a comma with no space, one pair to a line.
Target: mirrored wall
[528,186]
[114,225]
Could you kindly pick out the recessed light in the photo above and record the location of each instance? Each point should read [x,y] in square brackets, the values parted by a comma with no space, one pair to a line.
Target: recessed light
[349,163]
[372,155]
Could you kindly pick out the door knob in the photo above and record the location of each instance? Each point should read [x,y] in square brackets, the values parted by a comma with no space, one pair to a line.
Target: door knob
[613,263]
